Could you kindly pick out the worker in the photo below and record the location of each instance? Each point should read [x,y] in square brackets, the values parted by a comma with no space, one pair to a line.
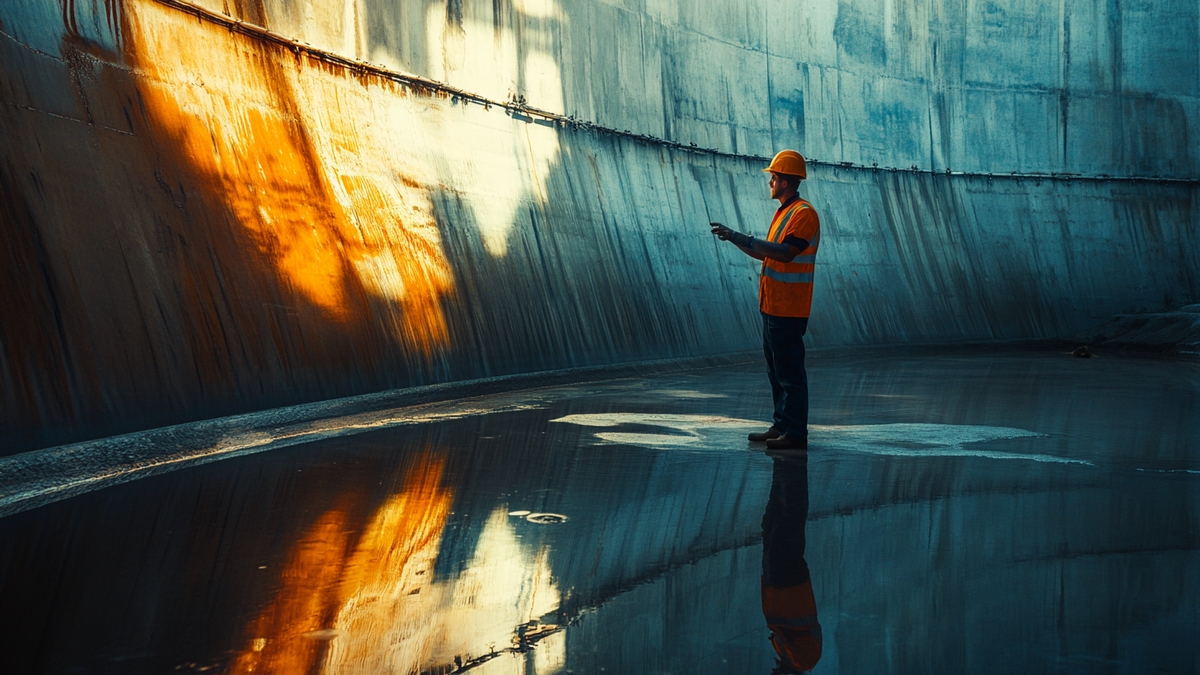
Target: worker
[785,289]
[788,602]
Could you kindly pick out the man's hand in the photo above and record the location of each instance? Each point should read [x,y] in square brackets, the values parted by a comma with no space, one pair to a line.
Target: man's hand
[742,241]
[723,233]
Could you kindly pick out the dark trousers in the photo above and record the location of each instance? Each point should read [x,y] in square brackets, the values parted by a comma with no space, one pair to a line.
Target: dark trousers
[783,524]
[783,345]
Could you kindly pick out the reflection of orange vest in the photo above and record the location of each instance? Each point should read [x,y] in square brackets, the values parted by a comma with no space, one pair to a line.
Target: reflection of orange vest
[791,615]
[785,289]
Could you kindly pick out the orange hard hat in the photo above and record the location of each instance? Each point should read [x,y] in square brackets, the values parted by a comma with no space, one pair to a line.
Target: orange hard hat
[789,163]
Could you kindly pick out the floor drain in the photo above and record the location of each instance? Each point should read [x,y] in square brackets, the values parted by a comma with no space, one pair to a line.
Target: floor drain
[546,518]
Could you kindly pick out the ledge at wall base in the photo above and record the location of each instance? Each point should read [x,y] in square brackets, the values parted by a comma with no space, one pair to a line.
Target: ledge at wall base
[39,477]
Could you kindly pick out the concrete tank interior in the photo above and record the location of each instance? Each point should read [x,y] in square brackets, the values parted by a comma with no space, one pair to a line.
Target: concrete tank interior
[365,336]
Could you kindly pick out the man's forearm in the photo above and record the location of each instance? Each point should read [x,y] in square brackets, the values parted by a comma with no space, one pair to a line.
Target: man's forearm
[751,252]
[763,249]
[780,252]
[758,248]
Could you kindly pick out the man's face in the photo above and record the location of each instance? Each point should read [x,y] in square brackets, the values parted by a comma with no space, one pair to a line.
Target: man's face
[779,185]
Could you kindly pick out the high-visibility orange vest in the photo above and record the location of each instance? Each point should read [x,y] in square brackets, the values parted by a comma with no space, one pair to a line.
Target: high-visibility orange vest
[791,615]
[785,289]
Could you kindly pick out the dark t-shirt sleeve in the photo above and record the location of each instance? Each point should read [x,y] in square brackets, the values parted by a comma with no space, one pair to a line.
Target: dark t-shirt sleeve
[793,240]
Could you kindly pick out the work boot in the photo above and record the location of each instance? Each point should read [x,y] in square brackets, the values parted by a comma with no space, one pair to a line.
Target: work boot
[760,436]
[788,442]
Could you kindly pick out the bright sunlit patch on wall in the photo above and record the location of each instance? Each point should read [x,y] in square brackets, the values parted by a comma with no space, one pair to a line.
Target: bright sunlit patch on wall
[541,9]
[470,54]
[332,177]
[497,164]
[542,81]
[279,147]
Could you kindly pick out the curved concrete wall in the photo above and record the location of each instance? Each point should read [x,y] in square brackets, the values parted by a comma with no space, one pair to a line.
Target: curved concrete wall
[197,221]
[1018,85]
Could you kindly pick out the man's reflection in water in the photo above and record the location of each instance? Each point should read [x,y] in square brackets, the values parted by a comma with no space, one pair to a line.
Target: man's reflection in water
[787,594]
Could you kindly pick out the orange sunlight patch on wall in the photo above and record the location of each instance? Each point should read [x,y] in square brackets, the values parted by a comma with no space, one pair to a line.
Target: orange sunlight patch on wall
[358,246]
[403,264]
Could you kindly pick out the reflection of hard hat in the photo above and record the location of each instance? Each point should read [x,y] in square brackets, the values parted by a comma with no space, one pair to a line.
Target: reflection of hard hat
[788,162]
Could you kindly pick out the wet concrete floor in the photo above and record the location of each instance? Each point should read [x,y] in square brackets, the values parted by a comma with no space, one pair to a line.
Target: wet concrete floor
[972,511]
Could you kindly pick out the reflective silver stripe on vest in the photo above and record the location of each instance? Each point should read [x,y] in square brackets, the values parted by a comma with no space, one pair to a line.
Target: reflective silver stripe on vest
[810,620]
[783,223]
[804,260]
[788,277]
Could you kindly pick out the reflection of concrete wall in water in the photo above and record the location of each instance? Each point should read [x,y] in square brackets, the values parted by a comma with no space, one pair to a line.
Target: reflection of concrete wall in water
[351,601]
[197,222]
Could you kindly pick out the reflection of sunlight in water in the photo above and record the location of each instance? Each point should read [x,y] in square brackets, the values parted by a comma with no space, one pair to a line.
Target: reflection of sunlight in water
[359,606]
[550,656]
[387,587]
[278,641]
[504,586]
[671,421]
[656,440]
[711,432]
[376,607]
[685,394]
